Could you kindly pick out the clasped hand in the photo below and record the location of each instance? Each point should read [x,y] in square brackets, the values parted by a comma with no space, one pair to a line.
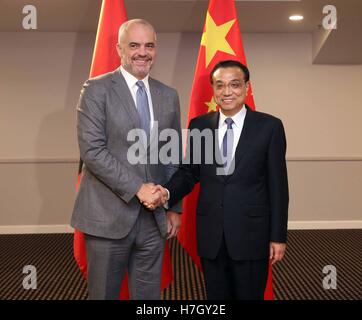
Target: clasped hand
[152,196]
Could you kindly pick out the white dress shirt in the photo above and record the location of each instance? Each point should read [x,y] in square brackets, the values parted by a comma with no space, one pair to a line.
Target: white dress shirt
[238,124]
[131,83]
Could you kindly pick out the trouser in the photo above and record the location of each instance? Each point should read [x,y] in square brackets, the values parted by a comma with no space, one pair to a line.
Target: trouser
[227,279]
[140,253]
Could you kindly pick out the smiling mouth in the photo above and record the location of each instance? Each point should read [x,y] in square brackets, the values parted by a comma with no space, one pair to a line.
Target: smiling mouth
[227,100]
[141,61]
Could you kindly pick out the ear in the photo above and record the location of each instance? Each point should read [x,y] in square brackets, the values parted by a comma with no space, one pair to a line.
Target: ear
[247,84]
[215,99]
[119,49]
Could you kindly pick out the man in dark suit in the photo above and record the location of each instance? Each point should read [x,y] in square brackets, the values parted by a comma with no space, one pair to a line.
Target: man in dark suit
[242,210]
[120,233]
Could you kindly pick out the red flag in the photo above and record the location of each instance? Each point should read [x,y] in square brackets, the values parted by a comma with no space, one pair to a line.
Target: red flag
[221,40]
[106,59]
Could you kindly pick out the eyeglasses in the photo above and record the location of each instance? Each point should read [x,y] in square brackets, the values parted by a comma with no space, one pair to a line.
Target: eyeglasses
[233,86]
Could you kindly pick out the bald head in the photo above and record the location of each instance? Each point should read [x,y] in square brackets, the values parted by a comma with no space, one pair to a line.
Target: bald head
[122,32]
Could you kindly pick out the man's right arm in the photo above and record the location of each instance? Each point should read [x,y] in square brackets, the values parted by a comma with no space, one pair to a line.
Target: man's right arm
[182,181]
[91,129]
[185,178]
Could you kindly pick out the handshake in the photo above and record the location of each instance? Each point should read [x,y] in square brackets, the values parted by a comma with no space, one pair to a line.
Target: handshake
[152,196]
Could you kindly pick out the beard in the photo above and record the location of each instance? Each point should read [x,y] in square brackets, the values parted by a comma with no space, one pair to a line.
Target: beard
[138,66]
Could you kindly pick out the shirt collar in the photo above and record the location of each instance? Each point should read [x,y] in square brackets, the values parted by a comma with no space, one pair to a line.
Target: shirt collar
[237,118]
[131,79]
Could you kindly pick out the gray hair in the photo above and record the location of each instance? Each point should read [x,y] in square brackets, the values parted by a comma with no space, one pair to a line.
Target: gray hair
[123,28]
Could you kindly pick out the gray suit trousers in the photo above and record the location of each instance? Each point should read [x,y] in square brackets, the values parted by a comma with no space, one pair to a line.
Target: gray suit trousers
[140,253]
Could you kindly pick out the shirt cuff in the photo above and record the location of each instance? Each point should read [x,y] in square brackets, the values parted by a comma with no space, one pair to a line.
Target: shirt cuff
[168,194]
[166,206]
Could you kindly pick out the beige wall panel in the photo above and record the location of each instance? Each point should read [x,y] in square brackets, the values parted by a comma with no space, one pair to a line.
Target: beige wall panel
[325,190]
[42,74]
[37,193]
[43,193]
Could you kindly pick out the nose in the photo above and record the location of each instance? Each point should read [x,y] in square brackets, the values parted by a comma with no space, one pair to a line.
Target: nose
[142,51]
[227,91]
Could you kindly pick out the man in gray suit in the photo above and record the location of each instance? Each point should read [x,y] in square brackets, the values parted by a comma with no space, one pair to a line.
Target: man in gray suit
[120,233]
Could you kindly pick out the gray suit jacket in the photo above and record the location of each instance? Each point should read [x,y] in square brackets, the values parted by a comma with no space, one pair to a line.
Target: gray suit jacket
[106,205]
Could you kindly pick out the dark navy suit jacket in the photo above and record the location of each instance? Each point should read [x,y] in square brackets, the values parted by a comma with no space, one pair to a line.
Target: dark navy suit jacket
[250,206]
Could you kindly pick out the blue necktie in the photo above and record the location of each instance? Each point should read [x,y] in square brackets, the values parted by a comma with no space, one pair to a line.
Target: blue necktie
[143,108]
[227,143]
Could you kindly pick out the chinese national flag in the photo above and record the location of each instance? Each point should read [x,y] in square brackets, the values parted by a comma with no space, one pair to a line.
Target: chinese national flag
[221,40]
[106,59]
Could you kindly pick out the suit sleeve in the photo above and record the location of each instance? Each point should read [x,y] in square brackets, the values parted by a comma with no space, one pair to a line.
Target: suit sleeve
[278,184]
[173,167]
[185,178]
[92,139]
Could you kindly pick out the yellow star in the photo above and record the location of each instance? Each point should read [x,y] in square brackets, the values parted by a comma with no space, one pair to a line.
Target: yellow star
[211,105]
[214,38]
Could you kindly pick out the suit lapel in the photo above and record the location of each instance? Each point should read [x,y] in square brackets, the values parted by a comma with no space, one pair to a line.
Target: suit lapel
[214,126]
[214,121]
[157,108]
[125,96]
[245,139]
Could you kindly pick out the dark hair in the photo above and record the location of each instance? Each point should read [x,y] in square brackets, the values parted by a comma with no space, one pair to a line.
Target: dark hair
[230,64]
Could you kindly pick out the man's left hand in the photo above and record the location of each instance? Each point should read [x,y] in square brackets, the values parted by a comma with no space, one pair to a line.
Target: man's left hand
[173,224]
[277,251]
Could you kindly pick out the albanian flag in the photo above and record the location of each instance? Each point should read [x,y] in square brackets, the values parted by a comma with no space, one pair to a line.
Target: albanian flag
[106,59]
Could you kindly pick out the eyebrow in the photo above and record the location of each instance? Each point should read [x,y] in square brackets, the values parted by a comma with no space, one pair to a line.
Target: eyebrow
[138,43]
[233,80]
